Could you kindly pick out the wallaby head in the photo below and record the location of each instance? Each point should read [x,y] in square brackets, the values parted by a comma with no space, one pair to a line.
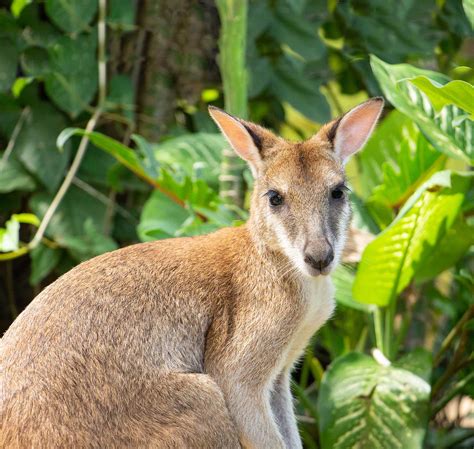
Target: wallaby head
[300,201]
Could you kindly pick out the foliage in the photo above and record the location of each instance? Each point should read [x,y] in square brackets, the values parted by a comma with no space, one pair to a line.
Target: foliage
[409,296]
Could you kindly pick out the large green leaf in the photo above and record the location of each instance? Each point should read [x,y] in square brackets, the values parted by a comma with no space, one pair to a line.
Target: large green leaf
[450,131]
[457,241]
[76,228]
[162,218]
[459,93]
[297,33]
[36,145]
[365,405]
[468,6]
[71,16]
[43,260]
[198,155]
[394,163]
[290,84]
[343,279]
[72,82]
[391,260]
[8,63]
[13,177]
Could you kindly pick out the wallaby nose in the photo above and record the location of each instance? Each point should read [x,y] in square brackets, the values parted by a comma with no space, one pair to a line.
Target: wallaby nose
[320,262]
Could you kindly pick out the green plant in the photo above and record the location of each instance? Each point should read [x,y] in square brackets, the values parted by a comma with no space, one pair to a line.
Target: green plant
[406,300]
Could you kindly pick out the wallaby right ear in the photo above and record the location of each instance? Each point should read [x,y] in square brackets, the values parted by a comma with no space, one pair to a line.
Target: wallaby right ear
[242,136]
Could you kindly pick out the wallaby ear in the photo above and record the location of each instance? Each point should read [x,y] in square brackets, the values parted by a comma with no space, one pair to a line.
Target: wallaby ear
[351,132]
[243,137]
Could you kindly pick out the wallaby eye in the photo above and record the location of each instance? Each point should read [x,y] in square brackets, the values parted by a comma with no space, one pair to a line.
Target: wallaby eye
[337,193]
[275,198]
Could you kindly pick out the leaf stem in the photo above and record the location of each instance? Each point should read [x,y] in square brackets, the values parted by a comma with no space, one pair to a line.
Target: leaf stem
[452,335]
[378,328]
[11,143]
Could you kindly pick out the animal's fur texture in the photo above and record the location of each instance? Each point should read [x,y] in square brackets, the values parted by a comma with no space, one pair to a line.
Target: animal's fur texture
[185,343]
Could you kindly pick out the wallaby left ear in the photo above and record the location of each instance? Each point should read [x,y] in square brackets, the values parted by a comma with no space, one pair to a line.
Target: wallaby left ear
[355,127]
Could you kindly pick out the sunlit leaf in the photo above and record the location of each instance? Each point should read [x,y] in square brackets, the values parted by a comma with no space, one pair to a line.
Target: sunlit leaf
[390,261]
[450,131]
[459,93]
[363,404]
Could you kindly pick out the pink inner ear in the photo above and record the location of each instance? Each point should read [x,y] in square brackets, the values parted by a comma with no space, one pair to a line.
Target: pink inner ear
[356,127]
[237,135]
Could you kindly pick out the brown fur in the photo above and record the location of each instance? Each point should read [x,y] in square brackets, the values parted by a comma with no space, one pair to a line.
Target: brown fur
[182,343]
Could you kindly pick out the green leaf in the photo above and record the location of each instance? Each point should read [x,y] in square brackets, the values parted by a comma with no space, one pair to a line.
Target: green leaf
[468,6]
[298,33]
[121,15]
[457,241]
[70,15]
[160,218]
[75,228]
[119,151]
[9,236]
[195,155]
[458,93]
[449,131]
[8,63]
[43,260]
[36,145]
[362,404]
[35,61]
[394,163]
[394,159]
[89,244]
[14,177]
[291,85]
[419,362]
[391,260]
[343,279]
[72,82]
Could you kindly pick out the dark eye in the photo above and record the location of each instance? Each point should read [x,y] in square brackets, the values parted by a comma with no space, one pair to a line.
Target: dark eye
[275,198]
[337,194]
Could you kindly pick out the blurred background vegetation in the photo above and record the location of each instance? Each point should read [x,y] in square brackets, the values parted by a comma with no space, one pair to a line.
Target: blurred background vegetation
[105,141]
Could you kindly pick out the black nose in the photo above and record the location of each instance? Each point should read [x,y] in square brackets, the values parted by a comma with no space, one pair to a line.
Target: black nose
[319,263]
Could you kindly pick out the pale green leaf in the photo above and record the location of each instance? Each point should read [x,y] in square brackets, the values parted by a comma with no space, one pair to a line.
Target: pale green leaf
[391,260]
[468,6]
[450,131]
[364,405]
[9,236]
[459,93]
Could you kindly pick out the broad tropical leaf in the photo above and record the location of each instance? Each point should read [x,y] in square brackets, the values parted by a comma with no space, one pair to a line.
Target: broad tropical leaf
[72,80]
[70,15]
[365,405]
[450,131]
[198,155]
[390,261]
[458,93]
[394,163]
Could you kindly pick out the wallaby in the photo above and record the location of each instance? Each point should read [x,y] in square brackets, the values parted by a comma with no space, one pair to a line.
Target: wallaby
[190,342]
